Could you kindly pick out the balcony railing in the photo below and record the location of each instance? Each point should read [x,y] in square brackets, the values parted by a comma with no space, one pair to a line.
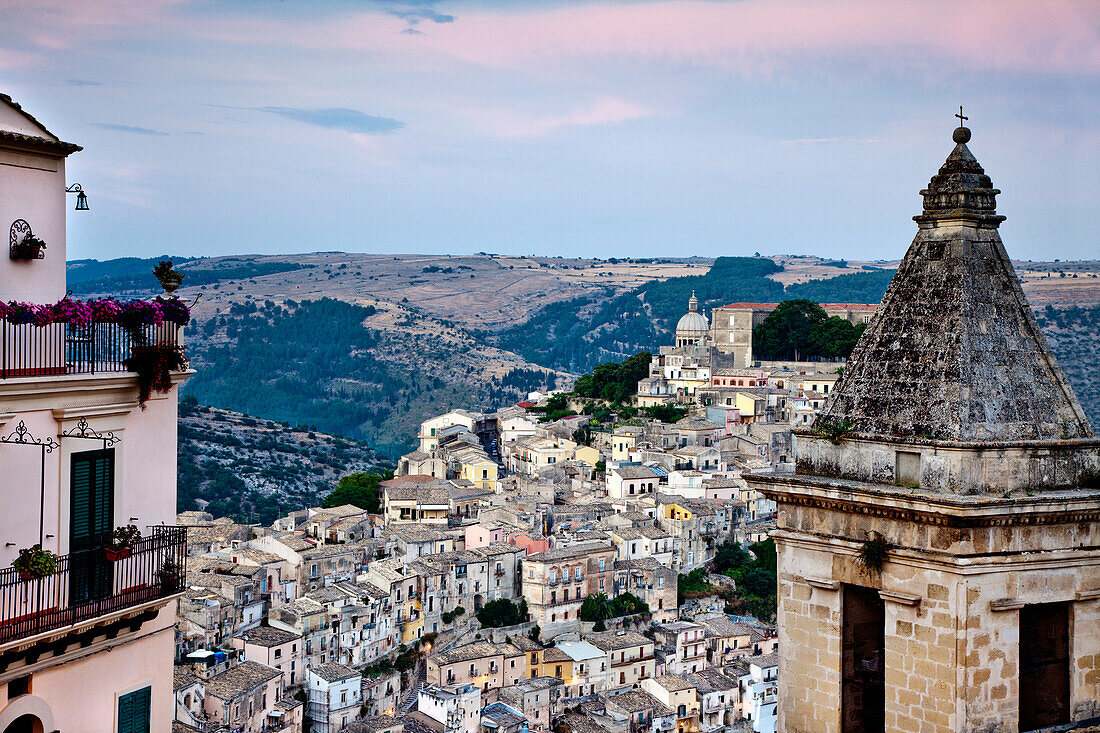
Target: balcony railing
[86,585]
[28,350]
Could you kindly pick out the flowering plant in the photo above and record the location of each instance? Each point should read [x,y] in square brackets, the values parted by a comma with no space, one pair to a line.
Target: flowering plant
[130,314]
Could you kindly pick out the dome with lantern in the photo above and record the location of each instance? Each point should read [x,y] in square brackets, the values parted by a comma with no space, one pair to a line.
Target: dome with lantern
[693,327]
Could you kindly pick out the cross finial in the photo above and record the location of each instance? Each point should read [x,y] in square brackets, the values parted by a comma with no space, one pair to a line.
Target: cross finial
[962,118]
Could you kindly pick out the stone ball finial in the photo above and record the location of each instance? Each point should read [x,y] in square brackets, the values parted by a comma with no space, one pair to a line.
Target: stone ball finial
[961,135]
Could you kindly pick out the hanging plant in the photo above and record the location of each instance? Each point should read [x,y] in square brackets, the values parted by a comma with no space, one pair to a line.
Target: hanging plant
[872,554]
[34,563]
[154,364]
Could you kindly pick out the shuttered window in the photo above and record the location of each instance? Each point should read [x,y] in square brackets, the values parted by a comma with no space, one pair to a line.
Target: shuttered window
[1044,665]
[91,509]
[92,489]
[133,711]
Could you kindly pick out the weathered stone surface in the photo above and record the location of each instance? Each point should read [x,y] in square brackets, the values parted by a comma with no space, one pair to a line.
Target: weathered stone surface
[955,352]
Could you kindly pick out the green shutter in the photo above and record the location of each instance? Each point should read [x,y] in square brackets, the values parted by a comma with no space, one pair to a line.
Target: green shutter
[92,490]
[133,711]
[82,498]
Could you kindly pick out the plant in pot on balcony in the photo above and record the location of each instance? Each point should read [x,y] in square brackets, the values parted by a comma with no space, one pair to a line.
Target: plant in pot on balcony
[121,542]
[169,278]
[170,575]
[34,563]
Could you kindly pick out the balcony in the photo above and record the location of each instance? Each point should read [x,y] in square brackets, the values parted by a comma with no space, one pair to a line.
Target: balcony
[86,585]
[29,350]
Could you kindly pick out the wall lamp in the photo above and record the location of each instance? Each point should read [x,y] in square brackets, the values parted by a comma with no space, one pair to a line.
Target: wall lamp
[81,197]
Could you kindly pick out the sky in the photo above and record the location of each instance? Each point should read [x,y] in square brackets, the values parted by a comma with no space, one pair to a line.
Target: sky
[573,128]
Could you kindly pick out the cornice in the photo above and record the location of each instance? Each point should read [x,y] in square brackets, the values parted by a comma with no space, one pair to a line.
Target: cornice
[935,509]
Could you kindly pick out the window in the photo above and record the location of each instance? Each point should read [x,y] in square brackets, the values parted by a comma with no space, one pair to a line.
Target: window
[22,686]
[601,564]
[133,711]
[278,653]
[863,686]
[1044,665]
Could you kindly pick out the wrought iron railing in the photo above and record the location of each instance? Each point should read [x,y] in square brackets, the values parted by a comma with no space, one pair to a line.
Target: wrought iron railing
[27,350]
[87,585]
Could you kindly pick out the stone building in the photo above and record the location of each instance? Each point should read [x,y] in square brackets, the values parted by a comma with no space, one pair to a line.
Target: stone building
[937,562]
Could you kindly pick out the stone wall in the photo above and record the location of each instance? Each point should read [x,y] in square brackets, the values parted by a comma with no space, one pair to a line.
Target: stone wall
[962,468]
[952,596]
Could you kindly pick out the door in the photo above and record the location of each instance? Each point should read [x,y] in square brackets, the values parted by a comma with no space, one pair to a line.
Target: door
[1044,665]
[92,487]
[863,692]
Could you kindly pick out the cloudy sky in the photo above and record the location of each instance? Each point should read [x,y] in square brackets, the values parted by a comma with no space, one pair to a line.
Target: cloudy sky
[667,127]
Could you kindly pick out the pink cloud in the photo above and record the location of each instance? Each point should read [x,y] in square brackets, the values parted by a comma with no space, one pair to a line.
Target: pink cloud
[1057,36]
[509,123]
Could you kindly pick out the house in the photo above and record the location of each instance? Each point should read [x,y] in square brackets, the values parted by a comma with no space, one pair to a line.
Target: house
[682,645]
[82,453]
[627,481]
[719,699]
[539,699]
[489,666]
[273,647]
[679,695]
[590,668]
[651,580]
[241,697]
[422,502]
[455,708]
[556,582]
[629,657]
[335,694]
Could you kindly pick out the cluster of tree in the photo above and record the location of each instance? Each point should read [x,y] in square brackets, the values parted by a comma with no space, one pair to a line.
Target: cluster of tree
[601,413]
[132,273]
[359,489]
[614,382]
[449,616]
[856,287]
[316,363]
[579,333]
[801,329]
[754,571]
[502,612]
[598,608]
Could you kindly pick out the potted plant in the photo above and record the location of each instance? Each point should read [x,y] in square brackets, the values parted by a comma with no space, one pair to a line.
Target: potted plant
[170,575]
[34,563]
[169,278]
[120,544]
[29,248]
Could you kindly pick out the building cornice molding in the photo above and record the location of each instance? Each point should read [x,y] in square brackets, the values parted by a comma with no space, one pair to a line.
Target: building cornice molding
[934,509]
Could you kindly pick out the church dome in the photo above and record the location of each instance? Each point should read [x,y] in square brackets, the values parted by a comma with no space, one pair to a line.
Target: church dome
[693,325]
[693,322]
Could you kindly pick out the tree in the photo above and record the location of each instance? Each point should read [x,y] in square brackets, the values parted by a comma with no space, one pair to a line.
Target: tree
[596,607]
[501,612]
[785,333]
[359,489]
[729,557]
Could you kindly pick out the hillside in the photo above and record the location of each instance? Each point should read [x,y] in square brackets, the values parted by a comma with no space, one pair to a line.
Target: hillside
[256,470]
[368,345]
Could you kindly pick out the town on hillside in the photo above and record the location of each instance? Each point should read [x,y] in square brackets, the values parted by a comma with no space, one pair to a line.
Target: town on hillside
[885,521]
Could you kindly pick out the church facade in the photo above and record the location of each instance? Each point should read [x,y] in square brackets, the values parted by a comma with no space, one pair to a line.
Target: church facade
[937,546]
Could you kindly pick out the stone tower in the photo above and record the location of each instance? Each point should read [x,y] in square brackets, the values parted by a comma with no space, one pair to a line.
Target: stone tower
[939,551]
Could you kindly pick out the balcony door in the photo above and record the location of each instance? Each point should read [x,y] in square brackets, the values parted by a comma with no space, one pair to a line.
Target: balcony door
[92,488]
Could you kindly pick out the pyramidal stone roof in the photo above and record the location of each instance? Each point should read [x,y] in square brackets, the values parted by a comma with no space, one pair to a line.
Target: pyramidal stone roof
[955,353]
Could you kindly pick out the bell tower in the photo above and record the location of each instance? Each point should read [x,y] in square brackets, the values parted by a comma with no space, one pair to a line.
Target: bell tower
[939,550]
